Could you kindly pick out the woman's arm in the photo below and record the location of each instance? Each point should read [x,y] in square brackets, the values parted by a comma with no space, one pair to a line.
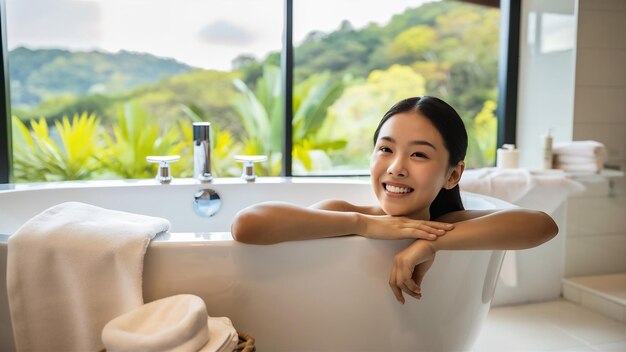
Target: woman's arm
[506,229]
[274,222]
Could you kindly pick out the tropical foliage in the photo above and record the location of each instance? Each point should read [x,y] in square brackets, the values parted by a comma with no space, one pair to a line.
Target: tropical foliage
[81,149]
[482,137]
[133,139]
[126,106]
[261,115]
[38,157]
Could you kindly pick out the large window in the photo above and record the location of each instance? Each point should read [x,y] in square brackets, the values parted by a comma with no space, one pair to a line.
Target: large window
[97,85]
[355,58]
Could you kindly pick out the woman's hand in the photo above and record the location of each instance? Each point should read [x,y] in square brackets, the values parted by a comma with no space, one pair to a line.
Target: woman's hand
[409,268]
[398,227]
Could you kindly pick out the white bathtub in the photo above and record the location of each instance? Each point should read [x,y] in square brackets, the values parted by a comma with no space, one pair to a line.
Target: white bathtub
[316,295]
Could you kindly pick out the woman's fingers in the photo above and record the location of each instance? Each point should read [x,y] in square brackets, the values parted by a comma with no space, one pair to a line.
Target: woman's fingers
[401,281]
[428,230]
[414,292]
[392,227]
[431,234]
[420,271]
[408,269]
[394,286]
[434,225]
[409,287]
[423,224]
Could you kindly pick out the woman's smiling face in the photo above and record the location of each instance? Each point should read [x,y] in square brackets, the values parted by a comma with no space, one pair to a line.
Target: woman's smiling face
[409,165]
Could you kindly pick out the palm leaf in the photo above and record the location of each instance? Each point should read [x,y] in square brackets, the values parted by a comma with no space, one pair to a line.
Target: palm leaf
[254,116]
[312,112]
[41,158]
[134,138]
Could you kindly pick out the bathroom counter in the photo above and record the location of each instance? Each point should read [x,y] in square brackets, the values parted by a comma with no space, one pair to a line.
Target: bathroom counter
[543,190]
[606,173]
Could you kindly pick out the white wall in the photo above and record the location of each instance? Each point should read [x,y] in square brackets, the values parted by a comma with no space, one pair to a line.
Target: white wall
[596,241]
[546,76]
[573,79]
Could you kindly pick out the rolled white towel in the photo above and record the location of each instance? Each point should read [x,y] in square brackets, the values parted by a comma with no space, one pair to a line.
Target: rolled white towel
[574,159]
[586,167]
[176,323]
[580,148]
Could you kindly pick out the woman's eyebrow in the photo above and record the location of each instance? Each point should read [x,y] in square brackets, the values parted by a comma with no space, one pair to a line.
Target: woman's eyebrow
[417,142]
[388,139]
[423,143]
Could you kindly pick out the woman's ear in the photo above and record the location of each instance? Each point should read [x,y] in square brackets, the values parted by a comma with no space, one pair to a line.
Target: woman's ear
[454,175]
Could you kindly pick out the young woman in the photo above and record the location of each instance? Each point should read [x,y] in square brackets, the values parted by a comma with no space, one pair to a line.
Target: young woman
[415,168]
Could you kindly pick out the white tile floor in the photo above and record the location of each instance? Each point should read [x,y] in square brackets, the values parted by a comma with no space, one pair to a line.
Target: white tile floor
[550,326]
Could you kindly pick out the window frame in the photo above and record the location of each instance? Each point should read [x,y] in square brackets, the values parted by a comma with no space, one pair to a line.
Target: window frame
[6,150]
[508,70]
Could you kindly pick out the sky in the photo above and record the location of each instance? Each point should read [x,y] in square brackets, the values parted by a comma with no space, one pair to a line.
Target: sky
[202,33]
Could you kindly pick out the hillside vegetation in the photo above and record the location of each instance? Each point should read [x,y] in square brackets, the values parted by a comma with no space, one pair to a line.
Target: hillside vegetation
[344,81]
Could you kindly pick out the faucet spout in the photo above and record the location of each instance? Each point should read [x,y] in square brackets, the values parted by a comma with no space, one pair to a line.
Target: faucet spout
[202,151]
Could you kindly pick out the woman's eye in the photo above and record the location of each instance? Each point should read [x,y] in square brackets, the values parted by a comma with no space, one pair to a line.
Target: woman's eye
[419,155]
[385,149]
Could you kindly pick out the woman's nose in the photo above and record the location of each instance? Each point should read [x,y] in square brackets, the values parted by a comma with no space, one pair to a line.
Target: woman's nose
[397,167]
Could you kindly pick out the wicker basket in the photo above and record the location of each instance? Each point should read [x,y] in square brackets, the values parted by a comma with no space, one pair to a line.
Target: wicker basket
[246,343]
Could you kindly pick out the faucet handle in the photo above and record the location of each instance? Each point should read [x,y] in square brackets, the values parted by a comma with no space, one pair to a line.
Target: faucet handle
[164,175]
[248,165]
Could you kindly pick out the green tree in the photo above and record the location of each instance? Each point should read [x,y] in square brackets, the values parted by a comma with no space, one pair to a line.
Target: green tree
[46,73]
[414,44]
[355,115]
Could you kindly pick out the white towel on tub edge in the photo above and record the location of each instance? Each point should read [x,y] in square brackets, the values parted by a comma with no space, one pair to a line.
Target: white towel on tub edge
[73,268]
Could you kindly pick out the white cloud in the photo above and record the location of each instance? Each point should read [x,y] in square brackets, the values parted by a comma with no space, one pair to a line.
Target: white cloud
[202,33]
[225,32]
[58,23]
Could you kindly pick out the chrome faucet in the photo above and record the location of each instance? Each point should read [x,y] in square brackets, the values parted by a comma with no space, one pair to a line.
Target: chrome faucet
[202,151]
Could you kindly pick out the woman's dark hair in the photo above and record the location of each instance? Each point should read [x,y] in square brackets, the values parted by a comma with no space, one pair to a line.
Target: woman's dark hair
[449,124]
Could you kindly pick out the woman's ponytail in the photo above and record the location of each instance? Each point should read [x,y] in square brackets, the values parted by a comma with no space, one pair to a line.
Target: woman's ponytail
[448,200]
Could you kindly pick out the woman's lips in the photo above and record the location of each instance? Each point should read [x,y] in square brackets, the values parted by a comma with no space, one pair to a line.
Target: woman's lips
[396,189]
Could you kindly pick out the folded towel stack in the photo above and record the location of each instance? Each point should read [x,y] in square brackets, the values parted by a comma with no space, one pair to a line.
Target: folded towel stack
[176,323]
[580,156]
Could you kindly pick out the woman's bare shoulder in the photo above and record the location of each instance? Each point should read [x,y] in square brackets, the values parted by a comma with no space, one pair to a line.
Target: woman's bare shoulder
[342,205]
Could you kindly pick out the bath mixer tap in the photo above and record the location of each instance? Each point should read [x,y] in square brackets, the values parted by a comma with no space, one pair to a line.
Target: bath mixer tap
[164,175]
[202,151]
[248,161]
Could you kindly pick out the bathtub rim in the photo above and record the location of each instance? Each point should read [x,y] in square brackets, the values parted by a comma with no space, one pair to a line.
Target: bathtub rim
[208,236]
[147,182]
